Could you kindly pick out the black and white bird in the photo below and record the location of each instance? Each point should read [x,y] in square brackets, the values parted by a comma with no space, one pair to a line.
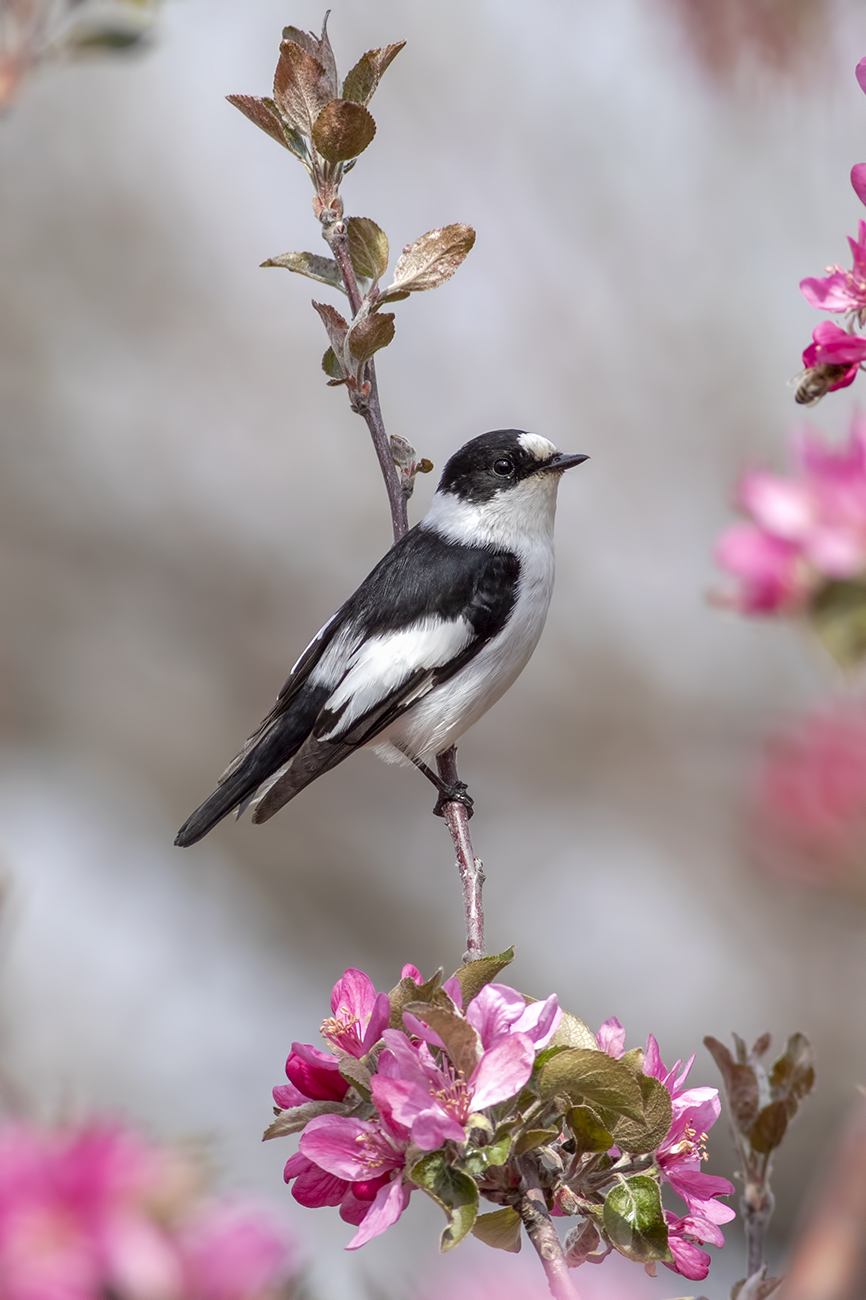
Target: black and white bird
[436,633]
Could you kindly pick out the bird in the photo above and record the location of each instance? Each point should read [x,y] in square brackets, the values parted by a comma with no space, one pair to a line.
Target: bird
[433,636]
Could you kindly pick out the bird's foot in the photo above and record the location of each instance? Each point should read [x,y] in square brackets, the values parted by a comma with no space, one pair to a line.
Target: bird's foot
[456,793]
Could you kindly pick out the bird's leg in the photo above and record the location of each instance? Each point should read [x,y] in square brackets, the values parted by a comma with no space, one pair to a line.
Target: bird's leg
[456,793]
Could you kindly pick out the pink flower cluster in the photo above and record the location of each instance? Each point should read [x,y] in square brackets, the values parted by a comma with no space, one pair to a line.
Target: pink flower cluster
[835,355]
[810,799]
[695,1111]
[460,1081]
[359,1164]
[805,529]
[95,1210]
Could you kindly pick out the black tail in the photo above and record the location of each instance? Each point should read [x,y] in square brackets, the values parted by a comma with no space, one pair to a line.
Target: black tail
[224,800]
[280,742]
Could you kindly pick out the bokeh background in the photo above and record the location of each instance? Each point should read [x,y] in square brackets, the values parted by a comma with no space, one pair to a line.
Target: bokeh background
[183,502]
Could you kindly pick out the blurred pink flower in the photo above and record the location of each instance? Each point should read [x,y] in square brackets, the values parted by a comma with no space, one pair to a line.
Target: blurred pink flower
[97,1210]
[234,1251]
[840,290]
[804,529]
[810,799]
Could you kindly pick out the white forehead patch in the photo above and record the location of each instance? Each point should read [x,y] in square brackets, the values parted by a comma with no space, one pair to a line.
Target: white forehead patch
[537,446]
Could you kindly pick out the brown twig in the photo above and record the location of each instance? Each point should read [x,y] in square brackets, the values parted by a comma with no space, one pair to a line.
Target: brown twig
[455,814]
[369,407]
[532,1209]
[471,869]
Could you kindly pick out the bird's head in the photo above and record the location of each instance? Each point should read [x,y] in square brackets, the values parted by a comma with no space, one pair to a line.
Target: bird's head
[500,487]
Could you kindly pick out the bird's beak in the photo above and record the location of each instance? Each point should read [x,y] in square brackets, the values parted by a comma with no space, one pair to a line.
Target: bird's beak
[559,461]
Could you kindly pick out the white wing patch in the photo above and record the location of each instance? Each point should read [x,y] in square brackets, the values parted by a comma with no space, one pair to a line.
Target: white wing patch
[379,667]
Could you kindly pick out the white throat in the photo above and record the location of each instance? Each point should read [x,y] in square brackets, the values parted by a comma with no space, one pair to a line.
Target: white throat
[518,519]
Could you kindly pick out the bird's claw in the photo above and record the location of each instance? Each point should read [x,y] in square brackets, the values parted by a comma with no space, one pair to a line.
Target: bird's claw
[456,793]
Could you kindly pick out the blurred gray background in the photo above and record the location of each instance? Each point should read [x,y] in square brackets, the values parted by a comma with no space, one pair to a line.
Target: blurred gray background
[183,502]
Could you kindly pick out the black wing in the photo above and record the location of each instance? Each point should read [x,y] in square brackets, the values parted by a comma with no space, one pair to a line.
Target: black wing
[469,591]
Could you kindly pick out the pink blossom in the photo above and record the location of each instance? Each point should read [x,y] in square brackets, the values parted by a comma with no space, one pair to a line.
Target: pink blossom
[499,1011]
[312,1075]
[804,528]
[359,1014]
[810,799]
[841,290]
[684,1236]
[369,1157]
[233,1251]
[858,181]
[695,1111]
[611,1038]
[433,1100]
[832,346]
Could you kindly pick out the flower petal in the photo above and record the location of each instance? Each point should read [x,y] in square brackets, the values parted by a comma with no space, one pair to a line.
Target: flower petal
[389,1204]
[502,1071]
[611,1037]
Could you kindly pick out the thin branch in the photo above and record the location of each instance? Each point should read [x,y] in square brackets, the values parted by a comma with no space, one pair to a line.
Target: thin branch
[756,1206]
[455,814]
[532,1209]
[471,869]
[369,407]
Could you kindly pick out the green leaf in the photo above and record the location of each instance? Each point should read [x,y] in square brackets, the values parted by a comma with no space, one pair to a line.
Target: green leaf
[793,1076]
[534,1138]
[493,1156]
[638,1137]
[453,1190]
[584,1075]
[323,269]
[501,1229]
[301,87]
[332,368]
[298,1117]
[461,1041]
[572,1032]
[357,1074]
[342,130]
[769,1128]
[474,975]
[360,84]
[113,34]
[431,260]
[368,248]
[587,1130]
[838,615]
[371,335]
[634,1220]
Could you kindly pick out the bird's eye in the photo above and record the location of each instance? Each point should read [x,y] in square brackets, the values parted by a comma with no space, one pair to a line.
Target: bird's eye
[503,467]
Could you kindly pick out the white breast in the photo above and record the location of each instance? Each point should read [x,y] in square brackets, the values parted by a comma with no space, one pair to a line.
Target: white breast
[520,521]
